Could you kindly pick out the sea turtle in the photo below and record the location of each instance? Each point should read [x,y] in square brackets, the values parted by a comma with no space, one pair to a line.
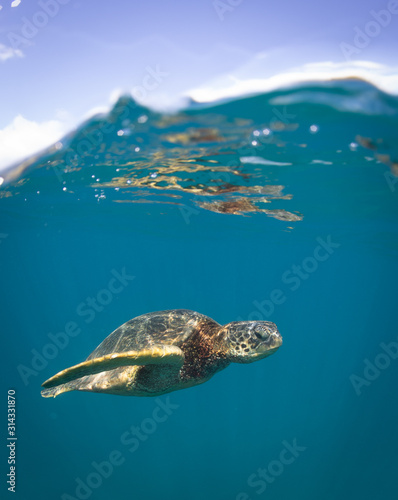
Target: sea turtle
[165,351]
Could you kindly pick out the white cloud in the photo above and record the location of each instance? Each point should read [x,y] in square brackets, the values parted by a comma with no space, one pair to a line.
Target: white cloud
[23,137]
[9,52]
[384,77]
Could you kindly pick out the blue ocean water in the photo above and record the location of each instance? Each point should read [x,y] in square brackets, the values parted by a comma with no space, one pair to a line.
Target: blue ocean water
[279,207]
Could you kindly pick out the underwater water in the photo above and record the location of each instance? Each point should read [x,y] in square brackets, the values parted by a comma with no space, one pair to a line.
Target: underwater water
[280,207]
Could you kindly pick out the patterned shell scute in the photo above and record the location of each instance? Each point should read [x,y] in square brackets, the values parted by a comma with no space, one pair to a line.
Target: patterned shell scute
[173,327]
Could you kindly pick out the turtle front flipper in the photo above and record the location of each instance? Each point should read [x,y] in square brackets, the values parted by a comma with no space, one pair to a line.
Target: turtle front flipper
[169,355]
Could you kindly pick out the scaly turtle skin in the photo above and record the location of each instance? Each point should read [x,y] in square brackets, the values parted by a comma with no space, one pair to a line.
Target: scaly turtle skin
[165,351]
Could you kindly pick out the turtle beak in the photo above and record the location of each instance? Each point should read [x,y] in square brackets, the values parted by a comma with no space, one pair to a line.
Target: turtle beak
[276,339]
[269,335]
[271,341]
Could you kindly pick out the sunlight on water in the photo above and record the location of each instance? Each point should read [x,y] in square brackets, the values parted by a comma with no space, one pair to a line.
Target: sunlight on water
[226,158]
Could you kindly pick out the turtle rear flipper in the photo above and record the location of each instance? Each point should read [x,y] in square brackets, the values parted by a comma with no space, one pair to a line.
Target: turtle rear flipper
[54,391]
[169,355]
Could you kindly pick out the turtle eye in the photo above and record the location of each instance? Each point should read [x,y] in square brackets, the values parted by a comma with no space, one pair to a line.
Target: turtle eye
[261,333]
[258,335]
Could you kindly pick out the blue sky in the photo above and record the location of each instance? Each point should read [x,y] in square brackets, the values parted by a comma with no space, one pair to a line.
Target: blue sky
[59,59]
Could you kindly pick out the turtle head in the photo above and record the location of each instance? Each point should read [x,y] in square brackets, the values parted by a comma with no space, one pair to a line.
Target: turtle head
[248,341]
